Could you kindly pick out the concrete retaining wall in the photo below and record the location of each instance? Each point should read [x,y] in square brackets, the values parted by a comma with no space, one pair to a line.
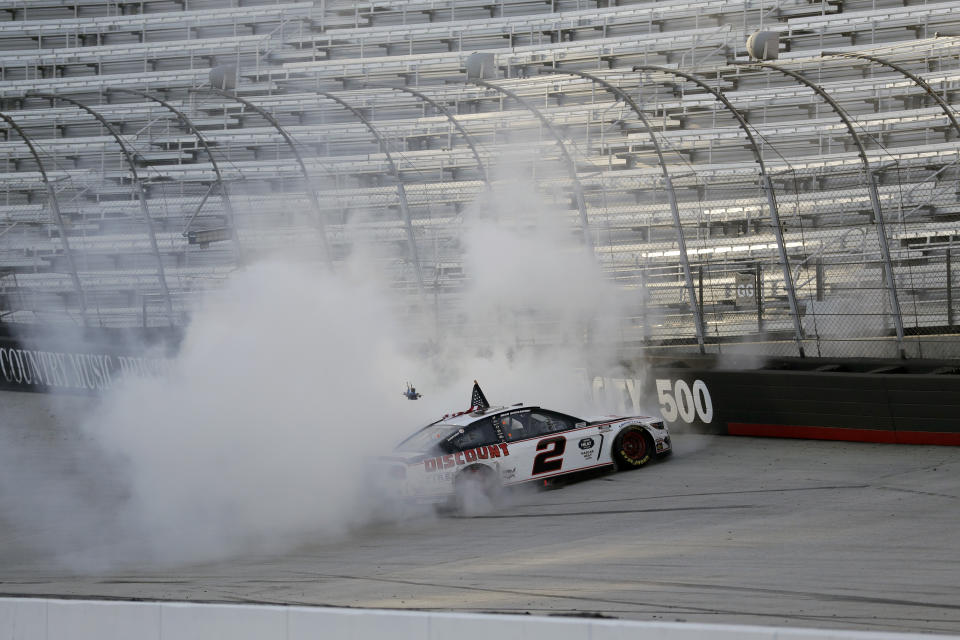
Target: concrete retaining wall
[894,401]
[863,407]
[48,619]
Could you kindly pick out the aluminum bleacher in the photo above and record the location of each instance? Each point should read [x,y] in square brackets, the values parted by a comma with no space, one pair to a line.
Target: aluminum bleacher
[691,44]
[447,142]
[34,62]
[534,29]
[96,84]
[181,24]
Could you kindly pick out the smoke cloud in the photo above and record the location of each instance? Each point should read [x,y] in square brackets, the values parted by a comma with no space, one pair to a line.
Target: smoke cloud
[289,378]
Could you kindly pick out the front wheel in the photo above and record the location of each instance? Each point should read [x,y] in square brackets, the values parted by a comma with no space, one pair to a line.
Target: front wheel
[632,448]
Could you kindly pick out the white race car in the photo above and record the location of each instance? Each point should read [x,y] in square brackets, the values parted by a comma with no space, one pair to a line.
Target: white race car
[483,449]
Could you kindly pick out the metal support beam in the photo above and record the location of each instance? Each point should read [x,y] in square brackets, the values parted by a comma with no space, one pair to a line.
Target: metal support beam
[203,201]
[311,194]
[871,187]
[571,166]
[696,308]
[949,289]
[772,207]
[188,124]
[920,82]
[57,216]
[401,191]
[456,124]
[141,192]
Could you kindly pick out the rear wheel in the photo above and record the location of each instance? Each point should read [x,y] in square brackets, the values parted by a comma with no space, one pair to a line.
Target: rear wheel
[632,448]
[476,491]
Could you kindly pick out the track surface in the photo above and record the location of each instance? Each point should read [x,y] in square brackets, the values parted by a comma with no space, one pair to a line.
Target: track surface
[728,530]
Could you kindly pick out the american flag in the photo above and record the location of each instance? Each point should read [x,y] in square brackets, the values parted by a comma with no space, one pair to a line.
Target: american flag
[477,399]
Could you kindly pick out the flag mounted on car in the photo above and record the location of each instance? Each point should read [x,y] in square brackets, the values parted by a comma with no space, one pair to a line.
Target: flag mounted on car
[478,401]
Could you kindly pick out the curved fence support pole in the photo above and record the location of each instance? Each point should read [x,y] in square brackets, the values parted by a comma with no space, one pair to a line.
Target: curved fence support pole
[141,192]
[767,188]
[571,166]
[920,82]
[401,191]
[188,124]
[57,216]
[452,120]
[311,194]
[871,188]
[671,193]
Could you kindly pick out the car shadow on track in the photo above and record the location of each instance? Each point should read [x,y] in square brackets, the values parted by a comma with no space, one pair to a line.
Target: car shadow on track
[525,495]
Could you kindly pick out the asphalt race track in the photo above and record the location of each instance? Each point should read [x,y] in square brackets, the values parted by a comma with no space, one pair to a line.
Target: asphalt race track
[727,530]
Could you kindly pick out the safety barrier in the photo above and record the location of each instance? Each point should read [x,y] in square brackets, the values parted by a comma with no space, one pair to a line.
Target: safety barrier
[50,619]
[851,400]
[855,399]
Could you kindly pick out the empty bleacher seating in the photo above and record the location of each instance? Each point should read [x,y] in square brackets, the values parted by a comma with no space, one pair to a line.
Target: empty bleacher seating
[596,159]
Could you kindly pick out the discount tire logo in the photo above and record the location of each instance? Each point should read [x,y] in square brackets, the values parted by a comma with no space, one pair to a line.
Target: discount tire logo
[680,400]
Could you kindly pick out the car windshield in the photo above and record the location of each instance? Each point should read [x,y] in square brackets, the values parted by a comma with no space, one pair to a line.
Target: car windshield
[427,438]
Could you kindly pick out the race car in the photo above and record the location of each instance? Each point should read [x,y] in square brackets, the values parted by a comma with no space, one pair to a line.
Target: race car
[484,449]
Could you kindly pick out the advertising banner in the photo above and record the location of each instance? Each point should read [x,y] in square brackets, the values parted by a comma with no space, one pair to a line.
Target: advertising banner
[79,360]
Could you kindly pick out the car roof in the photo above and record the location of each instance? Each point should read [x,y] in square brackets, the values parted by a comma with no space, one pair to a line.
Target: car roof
[465,418]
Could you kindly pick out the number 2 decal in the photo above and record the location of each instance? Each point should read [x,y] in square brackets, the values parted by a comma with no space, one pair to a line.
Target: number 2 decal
[552,457]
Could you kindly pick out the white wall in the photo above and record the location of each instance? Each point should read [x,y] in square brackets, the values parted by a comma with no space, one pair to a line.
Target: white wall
[49,619]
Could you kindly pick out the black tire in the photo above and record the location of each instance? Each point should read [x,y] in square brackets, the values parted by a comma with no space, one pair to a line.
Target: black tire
[476,491]
[633,447]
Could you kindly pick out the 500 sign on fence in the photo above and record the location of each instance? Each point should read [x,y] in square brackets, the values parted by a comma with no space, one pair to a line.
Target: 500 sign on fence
[678,399]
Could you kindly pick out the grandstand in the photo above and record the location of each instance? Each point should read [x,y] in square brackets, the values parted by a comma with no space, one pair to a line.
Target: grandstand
[805,205]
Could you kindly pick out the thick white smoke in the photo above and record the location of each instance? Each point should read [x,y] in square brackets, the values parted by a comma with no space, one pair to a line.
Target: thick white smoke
[289,378]
[285,381]
[540,312]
